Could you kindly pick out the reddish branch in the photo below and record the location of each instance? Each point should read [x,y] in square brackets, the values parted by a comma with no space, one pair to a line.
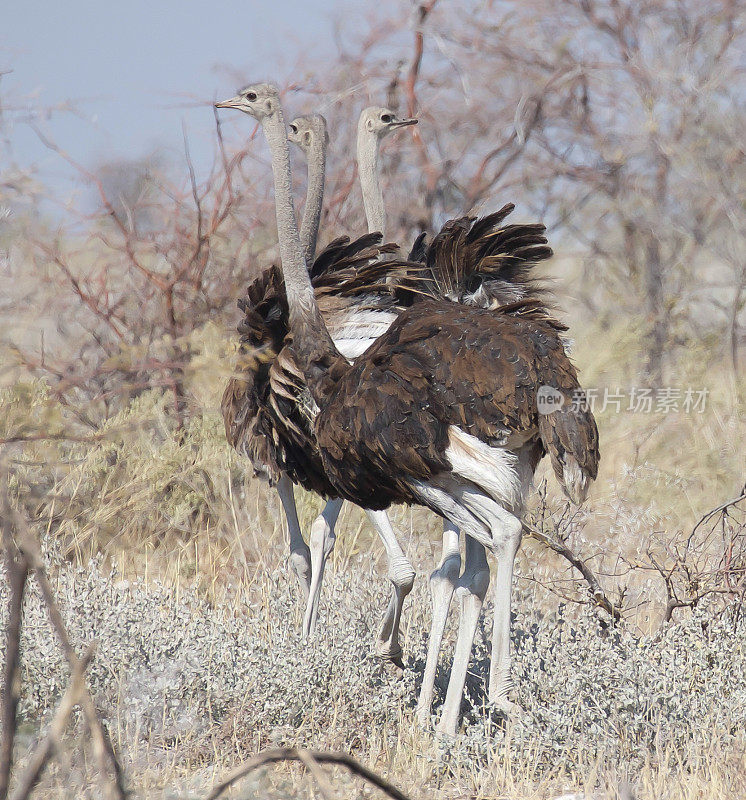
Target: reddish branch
[410,89]
[176,290]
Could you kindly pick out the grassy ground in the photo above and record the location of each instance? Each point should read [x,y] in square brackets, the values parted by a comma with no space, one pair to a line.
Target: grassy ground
[173,558]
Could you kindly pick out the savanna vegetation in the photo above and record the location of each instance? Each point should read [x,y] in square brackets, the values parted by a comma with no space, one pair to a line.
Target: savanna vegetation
[618,124]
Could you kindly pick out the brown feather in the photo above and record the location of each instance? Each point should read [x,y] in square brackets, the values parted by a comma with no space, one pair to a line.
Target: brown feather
[441,364]
[427,372]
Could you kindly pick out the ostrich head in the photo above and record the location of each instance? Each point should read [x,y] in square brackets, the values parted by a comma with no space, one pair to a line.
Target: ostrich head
[380,122]
[259,100]
[374,124]
[307,131]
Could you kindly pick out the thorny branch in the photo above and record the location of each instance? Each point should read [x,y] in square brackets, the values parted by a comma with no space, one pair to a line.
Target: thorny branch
[144,293]
[599,596]
[688,573]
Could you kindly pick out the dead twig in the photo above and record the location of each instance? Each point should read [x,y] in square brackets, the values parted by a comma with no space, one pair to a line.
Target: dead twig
[292,754]
[597,593]
[17,568]
[73,695]
[722,508]
[102,746]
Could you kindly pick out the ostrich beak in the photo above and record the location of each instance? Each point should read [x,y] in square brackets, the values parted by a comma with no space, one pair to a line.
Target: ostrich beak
[402,123]
[234,102]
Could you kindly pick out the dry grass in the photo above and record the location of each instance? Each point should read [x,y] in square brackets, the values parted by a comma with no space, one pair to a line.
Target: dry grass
[200,662]
[190,687]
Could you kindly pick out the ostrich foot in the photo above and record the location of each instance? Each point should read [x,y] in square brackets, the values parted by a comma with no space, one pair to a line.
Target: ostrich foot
[423,718]
[507,707]
[386,652]
[300,564]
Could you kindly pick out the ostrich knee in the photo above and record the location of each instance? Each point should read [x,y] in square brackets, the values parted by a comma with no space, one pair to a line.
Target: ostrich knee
[401,575]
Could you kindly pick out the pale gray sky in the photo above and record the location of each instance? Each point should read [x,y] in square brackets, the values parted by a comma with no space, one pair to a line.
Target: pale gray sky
[132,69]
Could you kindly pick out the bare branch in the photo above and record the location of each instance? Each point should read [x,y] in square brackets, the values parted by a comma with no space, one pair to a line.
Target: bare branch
[291,754]
[17,569]
[101,742]
[102,745]
[43,752]
[599,596]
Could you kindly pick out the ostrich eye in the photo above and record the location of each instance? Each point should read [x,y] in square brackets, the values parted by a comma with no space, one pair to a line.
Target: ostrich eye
[251,96]
[386,117]
[294,128]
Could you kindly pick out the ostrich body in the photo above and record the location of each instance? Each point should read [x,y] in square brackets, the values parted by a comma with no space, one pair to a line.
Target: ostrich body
[440,411]
[482,264]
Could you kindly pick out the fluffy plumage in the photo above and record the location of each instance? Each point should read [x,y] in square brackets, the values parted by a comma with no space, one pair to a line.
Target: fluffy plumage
[442,365]
[269,413]
[478,261]
[266,407]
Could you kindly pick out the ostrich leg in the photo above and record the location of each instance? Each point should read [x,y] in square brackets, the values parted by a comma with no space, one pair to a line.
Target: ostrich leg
[471,591]
[322,541]
[300,555]
[501,683]
[505,530]
[443,583]
[401,575]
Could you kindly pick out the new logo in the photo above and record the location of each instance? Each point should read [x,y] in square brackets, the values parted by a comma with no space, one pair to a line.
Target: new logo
[549,399]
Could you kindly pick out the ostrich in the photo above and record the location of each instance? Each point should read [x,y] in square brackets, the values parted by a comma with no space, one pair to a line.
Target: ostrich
[440,411]
[484,279]
[516,244]
[480,263]
[245,404]
[352,335]
[259,403]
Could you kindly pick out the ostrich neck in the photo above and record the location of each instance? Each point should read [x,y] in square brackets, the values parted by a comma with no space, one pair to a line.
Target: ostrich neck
[367,164]
[309,229]
[313,345]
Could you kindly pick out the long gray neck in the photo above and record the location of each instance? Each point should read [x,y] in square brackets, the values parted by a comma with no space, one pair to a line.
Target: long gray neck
[313,345]
[297,282]
[309,229]
[367,164]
